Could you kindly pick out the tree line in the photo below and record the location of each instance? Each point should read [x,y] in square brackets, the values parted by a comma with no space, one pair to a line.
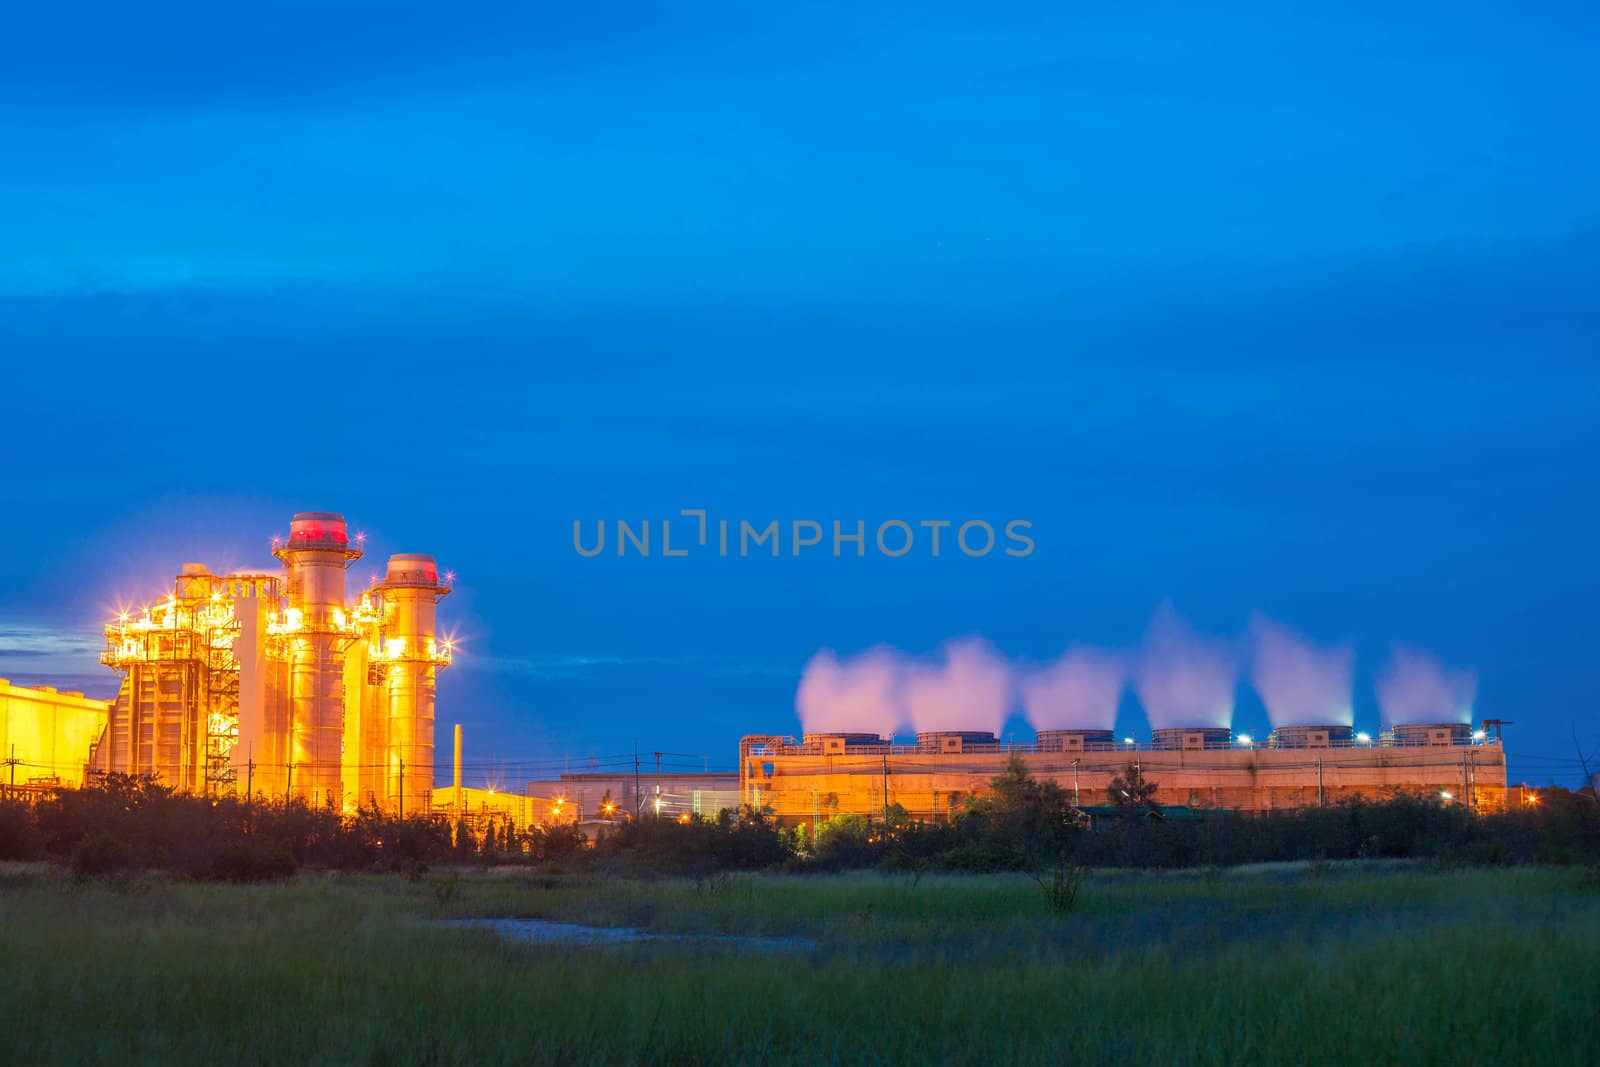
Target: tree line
[1020,823]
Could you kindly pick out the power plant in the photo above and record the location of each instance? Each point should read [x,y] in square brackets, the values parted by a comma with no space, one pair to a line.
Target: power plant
[279,683]
[283,683]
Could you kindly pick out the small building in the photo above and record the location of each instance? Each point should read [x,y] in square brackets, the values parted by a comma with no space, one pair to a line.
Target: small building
[592,795]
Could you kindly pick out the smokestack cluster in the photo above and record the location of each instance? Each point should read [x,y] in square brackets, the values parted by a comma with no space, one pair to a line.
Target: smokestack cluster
[1183,678]
[1414,687]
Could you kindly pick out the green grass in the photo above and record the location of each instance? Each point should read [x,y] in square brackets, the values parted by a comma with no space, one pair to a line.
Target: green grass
[1277,965]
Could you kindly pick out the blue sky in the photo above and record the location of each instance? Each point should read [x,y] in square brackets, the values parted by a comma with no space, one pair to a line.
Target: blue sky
[1248,310]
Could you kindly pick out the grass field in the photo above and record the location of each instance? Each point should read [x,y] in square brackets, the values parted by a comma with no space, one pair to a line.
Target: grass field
[1265,965]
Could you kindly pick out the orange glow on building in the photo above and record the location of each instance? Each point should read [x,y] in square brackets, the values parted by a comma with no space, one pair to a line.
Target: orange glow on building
[279,684]
[821,775]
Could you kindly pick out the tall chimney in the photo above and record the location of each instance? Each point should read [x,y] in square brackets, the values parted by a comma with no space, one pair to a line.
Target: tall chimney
[314,561]
[412,654]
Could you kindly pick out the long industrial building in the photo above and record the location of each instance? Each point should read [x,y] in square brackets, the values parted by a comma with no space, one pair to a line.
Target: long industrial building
[822,775]
[280,683]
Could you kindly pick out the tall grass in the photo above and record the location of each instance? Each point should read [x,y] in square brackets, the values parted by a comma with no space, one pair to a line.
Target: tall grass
[1275,966]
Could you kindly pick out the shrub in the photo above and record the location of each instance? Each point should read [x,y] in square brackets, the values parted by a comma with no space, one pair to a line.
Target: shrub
[100,854]
[19,837]
[1061,888]
[251,861]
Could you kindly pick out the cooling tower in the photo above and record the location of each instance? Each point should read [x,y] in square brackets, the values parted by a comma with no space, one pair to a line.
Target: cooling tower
[316,632]
[408,658]
[1191,737]
[953,740]
[834,744]
[1431,733]
[1077,740]
[1321,736]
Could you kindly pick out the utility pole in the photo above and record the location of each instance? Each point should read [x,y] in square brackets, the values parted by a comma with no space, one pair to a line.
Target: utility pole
[658,785]
[402,811]
[457,783]
[1077,796]
[637,805]
[1319,781]
[288,784]
[886,789]
[249,781]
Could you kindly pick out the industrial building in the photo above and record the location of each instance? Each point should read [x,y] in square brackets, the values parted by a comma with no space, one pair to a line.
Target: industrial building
[45,737]
[822,775]
[280,682]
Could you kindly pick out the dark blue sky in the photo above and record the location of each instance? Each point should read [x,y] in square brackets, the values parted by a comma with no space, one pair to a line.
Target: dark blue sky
[1244,309]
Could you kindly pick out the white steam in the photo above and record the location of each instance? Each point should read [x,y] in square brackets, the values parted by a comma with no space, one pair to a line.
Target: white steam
[1079,690]
[1300,682]
[969,690]
[1415,687]
[1185,678]
[858,695]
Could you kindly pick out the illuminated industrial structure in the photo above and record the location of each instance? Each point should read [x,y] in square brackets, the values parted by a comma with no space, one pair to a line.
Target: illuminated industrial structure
[277,684]
[822,775]
[45,737]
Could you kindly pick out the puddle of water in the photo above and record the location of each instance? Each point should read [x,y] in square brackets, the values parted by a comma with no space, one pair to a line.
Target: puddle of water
[550,932]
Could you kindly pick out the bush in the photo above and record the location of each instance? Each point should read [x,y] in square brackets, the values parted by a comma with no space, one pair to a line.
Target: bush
[251,861]
[19,837]
[101,854]
[1061,887]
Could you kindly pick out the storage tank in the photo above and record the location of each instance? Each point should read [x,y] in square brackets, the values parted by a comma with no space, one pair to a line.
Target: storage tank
[1311,736]
[1191,737]
[953,740]
[1077,740]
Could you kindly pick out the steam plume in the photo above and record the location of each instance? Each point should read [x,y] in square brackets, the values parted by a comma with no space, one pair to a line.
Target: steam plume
[855,695]
[1080,689]
[1300,682]
[970,690]
[1185,678]
[1415,687]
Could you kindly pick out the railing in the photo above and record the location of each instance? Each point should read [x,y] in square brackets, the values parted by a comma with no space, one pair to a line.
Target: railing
[758,751]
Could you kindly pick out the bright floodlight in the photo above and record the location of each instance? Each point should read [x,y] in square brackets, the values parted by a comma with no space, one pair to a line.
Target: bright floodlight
[1244,739]
[1479,735]
[1127,740]
[1364,737]
[1446,794]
